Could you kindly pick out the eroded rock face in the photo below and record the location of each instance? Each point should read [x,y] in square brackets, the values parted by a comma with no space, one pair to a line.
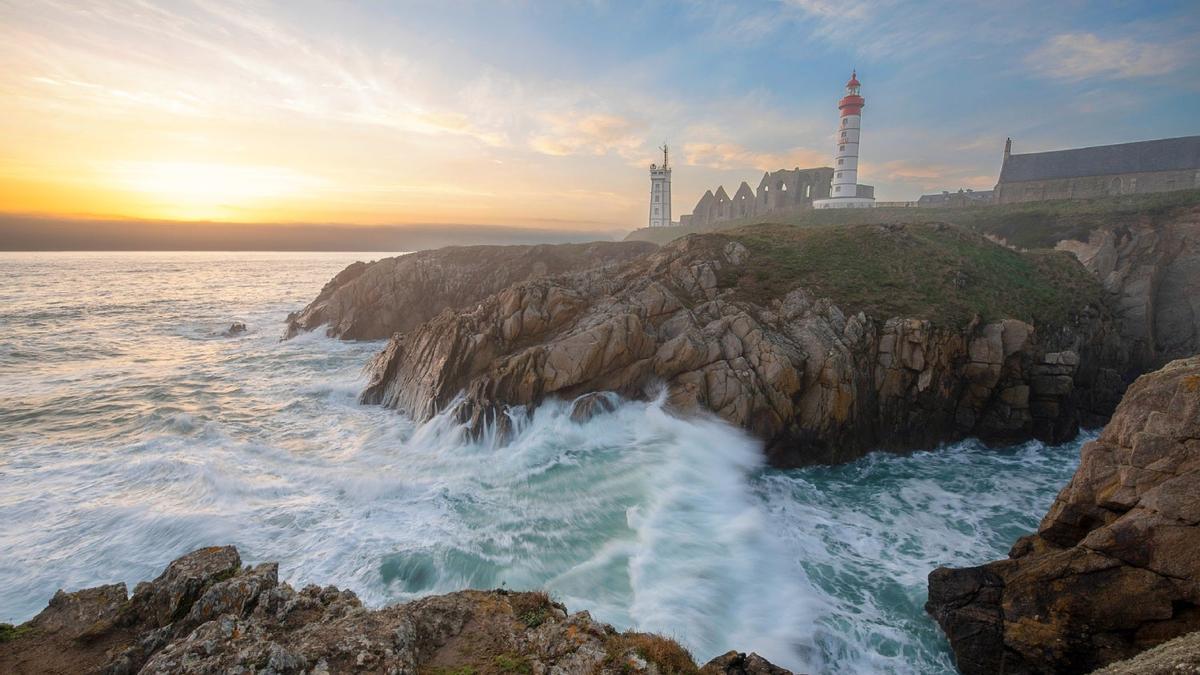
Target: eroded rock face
[1115,565]
[815,384]
[207,614]
[1152,271]
[372,301]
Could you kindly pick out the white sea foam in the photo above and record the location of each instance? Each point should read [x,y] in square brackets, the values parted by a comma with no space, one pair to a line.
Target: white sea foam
[130,435]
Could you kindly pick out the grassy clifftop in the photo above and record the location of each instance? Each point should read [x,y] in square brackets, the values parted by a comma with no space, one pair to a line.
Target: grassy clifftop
[941,272]
[1029,226]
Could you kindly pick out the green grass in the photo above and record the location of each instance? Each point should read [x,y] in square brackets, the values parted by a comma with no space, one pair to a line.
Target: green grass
[11,632]
[933,271]
[1030,225]
[512,663]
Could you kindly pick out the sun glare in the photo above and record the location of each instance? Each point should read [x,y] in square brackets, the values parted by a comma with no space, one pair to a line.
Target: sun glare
[196,190]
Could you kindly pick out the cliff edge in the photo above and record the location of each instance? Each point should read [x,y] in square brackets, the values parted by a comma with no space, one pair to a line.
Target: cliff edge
[1113,568]
[371,301]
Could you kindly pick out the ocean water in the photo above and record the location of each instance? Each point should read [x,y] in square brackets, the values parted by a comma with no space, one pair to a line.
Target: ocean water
[131,432]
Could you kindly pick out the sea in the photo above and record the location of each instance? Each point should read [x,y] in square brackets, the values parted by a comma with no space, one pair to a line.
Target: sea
[133,431]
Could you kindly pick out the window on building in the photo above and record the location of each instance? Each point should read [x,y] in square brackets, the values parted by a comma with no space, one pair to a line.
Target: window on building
[837,189]
[841,147]
[808,192]
[841,161]
[783,187]
[839,174]
[843,134]
[657,197]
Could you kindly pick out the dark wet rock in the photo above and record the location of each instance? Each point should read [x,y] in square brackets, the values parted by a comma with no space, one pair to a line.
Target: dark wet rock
[590,405]
[236,328]
[1113,569]
[207,614]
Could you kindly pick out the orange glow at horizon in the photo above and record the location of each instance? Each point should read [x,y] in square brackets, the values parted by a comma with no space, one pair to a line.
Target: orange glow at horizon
[239,117]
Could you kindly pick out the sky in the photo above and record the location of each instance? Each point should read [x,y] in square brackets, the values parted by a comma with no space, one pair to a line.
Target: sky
[547,114]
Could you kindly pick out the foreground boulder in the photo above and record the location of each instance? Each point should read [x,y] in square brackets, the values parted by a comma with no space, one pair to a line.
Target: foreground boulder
[371,301]
[815,382]
[1115,565]
[208,614]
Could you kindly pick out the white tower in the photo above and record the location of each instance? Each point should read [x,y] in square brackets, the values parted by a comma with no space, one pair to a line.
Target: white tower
[844,191]
[660,192]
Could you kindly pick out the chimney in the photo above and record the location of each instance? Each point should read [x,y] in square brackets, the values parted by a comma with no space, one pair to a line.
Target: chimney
[1007,147]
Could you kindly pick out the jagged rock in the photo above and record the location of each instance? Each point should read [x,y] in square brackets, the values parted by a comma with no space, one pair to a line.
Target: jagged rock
[737,663]
[1151,268]
[815,384]
[236,328]
[372,301]
[1113,568]
[72,615]
[222,618]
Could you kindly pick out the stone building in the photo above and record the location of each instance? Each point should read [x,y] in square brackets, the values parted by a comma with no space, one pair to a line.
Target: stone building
[956,199]
[1127,168]
[782,190]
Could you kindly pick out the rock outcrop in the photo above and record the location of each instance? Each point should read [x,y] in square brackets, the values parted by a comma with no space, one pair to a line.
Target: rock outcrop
[1151,268]
[816,383]
[1114,567]
[208,614]
[371,301]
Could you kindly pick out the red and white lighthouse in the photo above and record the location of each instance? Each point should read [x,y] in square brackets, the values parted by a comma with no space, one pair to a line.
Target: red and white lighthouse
[845,190]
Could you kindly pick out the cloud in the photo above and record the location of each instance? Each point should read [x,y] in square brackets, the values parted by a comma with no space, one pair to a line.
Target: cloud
[925,176]
[735,156]
[1080,56]
[592,134]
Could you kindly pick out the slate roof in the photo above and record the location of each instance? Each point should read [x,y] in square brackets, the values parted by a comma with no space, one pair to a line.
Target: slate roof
[1167,154]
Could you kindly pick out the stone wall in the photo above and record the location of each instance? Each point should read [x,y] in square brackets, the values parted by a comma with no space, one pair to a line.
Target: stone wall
[778,191]
[1088,187]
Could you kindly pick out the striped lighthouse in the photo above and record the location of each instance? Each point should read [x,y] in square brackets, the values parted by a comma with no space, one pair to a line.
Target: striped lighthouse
[845,192]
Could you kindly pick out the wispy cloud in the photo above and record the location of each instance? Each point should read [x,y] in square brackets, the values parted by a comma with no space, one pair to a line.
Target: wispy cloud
[1080,56]
[595,133]
[736,156]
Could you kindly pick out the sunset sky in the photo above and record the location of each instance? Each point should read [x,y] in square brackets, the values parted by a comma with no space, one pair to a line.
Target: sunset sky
[546,114]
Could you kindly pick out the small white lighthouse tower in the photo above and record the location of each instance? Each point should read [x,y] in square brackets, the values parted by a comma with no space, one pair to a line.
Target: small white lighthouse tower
[660,192]
[844,193]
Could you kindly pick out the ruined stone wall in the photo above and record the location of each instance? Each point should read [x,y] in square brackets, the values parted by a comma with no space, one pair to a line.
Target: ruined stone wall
[778,191]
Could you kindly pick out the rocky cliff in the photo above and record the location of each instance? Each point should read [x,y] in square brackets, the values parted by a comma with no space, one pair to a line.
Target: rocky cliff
[1151,269]
[371,301]
[817,381]
[1113,568]
[208,614]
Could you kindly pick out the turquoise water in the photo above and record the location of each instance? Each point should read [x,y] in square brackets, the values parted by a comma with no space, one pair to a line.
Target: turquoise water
[131,431]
